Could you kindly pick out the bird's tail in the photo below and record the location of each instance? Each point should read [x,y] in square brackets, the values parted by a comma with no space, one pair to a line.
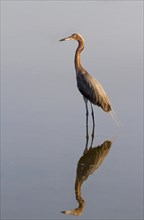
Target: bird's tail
[113,115]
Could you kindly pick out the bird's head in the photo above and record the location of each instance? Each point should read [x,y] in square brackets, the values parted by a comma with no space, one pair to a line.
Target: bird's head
[77,37]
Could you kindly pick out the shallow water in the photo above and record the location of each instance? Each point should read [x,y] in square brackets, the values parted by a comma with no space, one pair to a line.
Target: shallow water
[43,114]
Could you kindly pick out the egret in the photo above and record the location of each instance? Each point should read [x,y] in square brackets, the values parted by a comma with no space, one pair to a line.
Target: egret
[89,87]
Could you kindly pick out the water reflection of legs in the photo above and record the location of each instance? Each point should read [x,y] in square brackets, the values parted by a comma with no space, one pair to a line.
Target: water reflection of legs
[86,146]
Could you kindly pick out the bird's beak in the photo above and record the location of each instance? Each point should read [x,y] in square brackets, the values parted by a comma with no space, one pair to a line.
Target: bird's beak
[67,38]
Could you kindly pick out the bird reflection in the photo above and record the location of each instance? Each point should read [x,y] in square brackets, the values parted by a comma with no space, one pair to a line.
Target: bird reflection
[90,161]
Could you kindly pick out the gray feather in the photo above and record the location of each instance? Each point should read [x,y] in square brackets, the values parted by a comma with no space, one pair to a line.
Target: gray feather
[92,90]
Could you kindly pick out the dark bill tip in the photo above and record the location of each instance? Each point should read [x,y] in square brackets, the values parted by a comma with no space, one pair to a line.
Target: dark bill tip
[64,212]
[62,39]
[66,38]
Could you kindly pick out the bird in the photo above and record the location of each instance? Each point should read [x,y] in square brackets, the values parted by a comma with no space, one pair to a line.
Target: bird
[89,87]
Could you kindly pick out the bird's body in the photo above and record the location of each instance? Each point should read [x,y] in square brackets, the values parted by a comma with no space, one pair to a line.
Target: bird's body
[92,90]
[89,87]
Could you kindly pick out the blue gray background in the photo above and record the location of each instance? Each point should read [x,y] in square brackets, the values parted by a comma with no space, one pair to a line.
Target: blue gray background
[43,114]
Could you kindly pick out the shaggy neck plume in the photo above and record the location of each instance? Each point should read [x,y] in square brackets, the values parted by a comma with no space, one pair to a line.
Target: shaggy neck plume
[77,55]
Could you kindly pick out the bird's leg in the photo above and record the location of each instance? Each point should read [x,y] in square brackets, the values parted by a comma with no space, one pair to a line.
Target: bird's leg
[92,135]
[87,113]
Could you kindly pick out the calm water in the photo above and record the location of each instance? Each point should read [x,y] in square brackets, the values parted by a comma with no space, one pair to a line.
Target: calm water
[43,114]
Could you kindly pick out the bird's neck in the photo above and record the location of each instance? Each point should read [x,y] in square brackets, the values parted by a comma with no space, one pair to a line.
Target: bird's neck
[77,56]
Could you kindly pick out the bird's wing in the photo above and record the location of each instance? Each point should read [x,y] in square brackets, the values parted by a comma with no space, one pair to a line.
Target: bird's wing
[93,91]
[84,86]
